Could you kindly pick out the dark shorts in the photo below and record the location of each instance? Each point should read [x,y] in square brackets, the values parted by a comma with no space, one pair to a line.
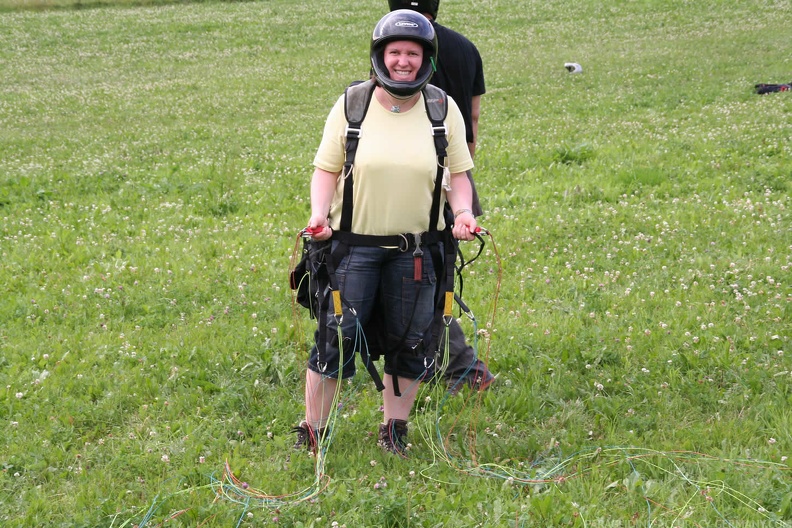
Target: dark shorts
[376,281]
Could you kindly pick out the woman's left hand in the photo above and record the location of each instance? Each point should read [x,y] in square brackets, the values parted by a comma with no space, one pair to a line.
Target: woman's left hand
[464,226]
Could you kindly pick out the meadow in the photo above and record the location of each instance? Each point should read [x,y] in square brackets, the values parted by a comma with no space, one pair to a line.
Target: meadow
[634,299]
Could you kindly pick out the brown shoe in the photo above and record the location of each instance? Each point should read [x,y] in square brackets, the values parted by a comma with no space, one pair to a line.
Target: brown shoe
[307,436]
[481,381]
[392,437]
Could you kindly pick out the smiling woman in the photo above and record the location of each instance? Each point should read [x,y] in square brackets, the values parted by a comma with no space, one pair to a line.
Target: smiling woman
[394,186]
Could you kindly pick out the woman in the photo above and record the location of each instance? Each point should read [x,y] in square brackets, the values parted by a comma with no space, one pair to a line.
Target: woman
[394,175]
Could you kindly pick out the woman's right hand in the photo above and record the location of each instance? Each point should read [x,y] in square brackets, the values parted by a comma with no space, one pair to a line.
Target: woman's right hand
[319,229]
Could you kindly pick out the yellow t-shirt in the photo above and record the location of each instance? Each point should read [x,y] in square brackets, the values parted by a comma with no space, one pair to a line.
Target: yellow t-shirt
[395,166]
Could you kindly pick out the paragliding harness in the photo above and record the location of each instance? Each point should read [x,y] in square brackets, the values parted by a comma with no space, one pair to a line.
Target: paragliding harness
[319,261]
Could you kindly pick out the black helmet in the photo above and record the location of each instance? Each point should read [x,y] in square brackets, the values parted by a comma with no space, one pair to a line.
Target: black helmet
[403,24]
[422,6]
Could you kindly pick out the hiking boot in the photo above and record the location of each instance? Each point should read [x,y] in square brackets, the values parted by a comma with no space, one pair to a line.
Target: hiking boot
[307,436]
[392,437]
[478,380]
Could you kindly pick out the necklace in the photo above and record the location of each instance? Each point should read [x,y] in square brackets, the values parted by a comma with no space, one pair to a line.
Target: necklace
[395,103]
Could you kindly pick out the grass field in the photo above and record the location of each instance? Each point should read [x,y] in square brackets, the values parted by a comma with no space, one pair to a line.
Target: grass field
[154,171]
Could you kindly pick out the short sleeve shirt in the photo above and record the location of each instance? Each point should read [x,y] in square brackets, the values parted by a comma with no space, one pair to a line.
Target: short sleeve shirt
[395,166]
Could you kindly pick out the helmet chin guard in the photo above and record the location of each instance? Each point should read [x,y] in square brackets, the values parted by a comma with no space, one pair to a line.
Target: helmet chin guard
[403,24]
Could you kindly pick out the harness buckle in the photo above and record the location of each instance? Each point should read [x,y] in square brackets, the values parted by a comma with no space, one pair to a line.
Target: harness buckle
[322,366]
[352,132]
[418,251]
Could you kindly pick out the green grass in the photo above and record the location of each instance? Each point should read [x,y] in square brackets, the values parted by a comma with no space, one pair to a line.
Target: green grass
[154,171]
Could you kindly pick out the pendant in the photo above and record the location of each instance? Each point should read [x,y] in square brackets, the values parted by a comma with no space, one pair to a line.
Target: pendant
[395,109]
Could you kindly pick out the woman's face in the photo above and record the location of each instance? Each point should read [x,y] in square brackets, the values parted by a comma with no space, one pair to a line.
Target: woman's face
[403,59]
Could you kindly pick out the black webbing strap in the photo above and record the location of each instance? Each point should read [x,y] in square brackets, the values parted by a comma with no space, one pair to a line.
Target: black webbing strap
[404,242]
[371,368]
[346,206]
[436,103]
[441,144]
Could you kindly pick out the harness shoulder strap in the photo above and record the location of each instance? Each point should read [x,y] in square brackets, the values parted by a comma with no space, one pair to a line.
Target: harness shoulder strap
[436,102]
[357,98]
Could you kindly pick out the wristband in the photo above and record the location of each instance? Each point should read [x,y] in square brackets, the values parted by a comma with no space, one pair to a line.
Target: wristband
[460,211]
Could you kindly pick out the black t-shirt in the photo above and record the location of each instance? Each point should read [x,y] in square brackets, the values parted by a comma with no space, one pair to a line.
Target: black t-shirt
[459,71]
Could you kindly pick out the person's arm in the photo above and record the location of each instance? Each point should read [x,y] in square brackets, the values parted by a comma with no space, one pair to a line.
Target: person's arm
[475,112]
[323,186]
[460,199]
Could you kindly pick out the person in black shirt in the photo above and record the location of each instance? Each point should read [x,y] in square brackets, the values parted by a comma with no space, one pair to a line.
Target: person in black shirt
[460,73]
